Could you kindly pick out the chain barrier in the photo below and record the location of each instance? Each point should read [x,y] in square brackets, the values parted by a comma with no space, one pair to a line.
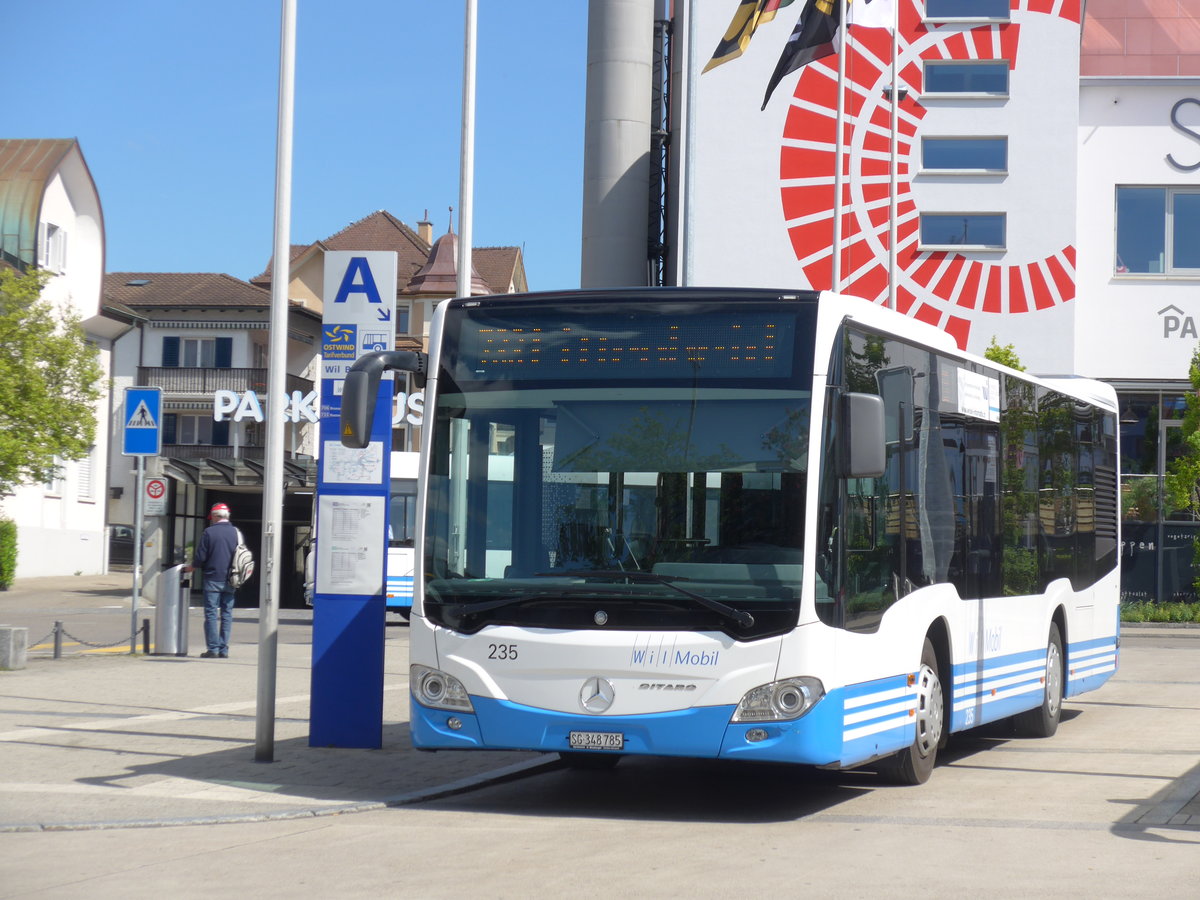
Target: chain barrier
[58,632]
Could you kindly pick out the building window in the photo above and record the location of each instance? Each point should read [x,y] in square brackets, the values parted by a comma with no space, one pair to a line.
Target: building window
[402,317]
[54,484]
[86,487]
[188,429]
[52,247]
[203,353]
[984,154]
[949,10]
[989,76]
[1158,231]
[979,231]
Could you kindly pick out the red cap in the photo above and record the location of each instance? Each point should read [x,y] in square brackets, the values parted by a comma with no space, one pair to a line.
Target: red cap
[218,508]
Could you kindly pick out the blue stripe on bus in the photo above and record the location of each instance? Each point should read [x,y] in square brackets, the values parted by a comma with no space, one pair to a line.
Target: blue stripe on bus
[400,591]
[704,731]
[878,717]
[1090,664]
[996,687]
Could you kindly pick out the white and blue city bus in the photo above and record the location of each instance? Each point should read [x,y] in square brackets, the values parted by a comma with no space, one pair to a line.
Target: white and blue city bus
[402,527]
[749,524]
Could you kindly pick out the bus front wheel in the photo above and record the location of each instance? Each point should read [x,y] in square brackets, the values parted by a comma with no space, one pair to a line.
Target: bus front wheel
[914,764]
[1042,721]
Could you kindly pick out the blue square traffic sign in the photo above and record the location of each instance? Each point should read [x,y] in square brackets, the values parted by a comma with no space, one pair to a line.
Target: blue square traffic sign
[142,434]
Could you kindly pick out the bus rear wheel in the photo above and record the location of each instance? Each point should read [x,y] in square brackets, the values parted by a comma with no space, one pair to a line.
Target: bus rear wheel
[1042,721]
[914,764]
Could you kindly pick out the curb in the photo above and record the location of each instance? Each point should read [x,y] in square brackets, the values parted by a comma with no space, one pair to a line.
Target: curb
[496,776]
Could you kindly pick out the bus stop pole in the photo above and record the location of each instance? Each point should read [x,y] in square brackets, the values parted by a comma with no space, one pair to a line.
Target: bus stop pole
[273,494]
[137,552]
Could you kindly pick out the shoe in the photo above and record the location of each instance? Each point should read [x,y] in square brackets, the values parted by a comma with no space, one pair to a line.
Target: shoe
[223,655]
[208,654]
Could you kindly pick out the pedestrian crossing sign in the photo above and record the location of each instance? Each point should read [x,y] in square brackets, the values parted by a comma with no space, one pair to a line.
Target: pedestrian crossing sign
[142,435]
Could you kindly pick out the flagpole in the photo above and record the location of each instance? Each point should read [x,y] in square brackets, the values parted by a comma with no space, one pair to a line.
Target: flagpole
[836,278]
[466,164]
[894,161]
[271,561]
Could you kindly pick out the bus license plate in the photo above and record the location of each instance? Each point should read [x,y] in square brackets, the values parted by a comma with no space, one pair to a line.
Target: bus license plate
[597,740]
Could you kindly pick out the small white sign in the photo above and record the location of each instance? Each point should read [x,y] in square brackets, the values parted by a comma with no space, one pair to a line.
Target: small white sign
[155,501]
[978,395]
[345,465]
[350,545]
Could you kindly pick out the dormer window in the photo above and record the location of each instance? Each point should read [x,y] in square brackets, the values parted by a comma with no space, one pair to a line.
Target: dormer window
[52,247]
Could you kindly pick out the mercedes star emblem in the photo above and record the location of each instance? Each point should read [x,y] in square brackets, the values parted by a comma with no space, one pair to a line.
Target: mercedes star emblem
[597,694]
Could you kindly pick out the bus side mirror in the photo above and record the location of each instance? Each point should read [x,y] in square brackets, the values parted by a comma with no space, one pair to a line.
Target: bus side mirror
[362,387]
[865,453]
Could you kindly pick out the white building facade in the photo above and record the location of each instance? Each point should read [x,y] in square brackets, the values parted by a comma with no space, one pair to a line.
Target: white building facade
[51,219]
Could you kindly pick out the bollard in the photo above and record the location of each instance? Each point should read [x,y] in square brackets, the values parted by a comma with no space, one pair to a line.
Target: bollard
[14,641]
[58,631]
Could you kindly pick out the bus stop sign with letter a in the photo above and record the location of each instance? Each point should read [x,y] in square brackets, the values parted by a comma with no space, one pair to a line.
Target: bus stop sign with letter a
[349,605]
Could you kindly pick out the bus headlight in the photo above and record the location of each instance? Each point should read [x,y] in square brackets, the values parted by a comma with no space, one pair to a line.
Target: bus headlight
[779,700]
[436,689]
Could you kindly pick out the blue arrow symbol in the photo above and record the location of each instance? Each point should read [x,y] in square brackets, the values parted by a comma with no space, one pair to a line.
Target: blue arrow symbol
[385,315]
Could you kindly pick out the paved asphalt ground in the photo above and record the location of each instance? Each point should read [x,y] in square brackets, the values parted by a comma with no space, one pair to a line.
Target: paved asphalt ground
[134,776]
[102,739]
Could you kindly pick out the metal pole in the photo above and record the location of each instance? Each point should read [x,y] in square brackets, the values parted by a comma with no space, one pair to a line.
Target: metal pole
[892,166]
[466,171]
[140,490]
[836,277]
[272,538]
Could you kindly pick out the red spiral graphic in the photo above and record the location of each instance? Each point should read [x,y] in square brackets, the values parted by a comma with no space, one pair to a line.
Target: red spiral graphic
[931,285]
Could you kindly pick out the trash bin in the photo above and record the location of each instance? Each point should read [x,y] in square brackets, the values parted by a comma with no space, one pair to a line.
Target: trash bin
[171,614]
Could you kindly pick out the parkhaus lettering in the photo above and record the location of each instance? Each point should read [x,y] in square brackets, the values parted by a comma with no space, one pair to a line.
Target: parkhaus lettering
[1176,324]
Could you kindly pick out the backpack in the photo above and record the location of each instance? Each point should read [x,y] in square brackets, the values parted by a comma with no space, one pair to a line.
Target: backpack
[241,566]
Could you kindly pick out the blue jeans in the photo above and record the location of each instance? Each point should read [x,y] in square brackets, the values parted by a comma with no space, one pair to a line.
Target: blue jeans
[218,598]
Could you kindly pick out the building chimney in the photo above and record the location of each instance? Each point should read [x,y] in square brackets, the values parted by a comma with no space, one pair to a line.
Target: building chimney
[425,229]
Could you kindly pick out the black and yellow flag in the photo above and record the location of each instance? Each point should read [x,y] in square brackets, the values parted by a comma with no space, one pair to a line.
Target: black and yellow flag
[813,38]
[750,14]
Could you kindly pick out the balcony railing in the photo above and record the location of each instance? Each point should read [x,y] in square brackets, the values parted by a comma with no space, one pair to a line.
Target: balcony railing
[180,380]
[211,451]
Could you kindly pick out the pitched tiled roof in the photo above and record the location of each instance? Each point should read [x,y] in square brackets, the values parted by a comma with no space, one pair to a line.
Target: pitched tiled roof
[497,266]
[500,267]
[197,290]
[378,231]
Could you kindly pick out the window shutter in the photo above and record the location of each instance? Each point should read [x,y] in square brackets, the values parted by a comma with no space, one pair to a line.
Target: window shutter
[224,353]
[170,351]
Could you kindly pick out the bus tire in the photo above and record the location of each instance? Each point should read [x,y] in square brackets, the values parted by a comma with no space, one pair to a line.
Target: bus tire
[1042,721]
[914,764]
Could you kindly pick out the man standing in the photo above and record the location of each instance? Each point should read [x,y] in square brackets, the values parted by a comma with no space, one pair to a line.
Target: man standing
[213,556]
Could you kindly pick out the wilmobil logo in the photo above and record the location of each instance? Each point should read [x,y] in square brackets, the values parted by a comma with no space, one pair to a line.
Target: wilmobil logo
[669,657]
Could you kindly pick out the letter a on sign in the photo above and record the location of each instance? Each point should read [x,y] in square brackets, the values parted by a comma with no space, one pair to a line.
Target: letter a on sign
[358,280]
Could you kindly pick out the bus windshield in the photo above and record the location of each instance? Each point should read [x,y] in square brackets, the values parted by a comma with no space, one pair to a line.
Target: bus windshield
[626,465]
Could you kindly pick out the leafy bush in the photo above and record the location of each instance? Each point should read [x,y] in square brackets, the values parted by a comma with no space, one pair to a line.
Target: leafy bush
[1160,612]
[8,553]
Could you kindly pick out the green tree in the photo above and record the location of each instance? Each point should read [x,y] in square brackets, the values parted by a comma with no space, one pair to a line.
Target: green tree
[50,381]
[1005,355]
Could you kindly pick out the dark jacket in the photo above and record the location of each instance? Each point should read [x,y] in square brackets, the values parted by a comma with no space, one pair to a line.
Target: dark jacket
[215,551]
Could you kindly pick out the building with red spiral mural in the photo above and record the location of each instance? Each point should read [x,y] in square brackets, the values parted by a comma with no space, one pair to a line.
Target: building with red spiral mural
[1046,191]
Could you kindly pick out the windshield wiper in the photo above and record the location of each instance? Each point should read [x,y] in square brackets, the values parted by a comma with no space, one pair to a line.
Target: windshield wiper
[738,616]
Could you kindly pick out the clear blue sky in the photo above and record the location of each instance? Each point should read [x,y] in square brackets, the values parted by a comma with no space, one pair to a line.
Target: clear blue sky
[174,105]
